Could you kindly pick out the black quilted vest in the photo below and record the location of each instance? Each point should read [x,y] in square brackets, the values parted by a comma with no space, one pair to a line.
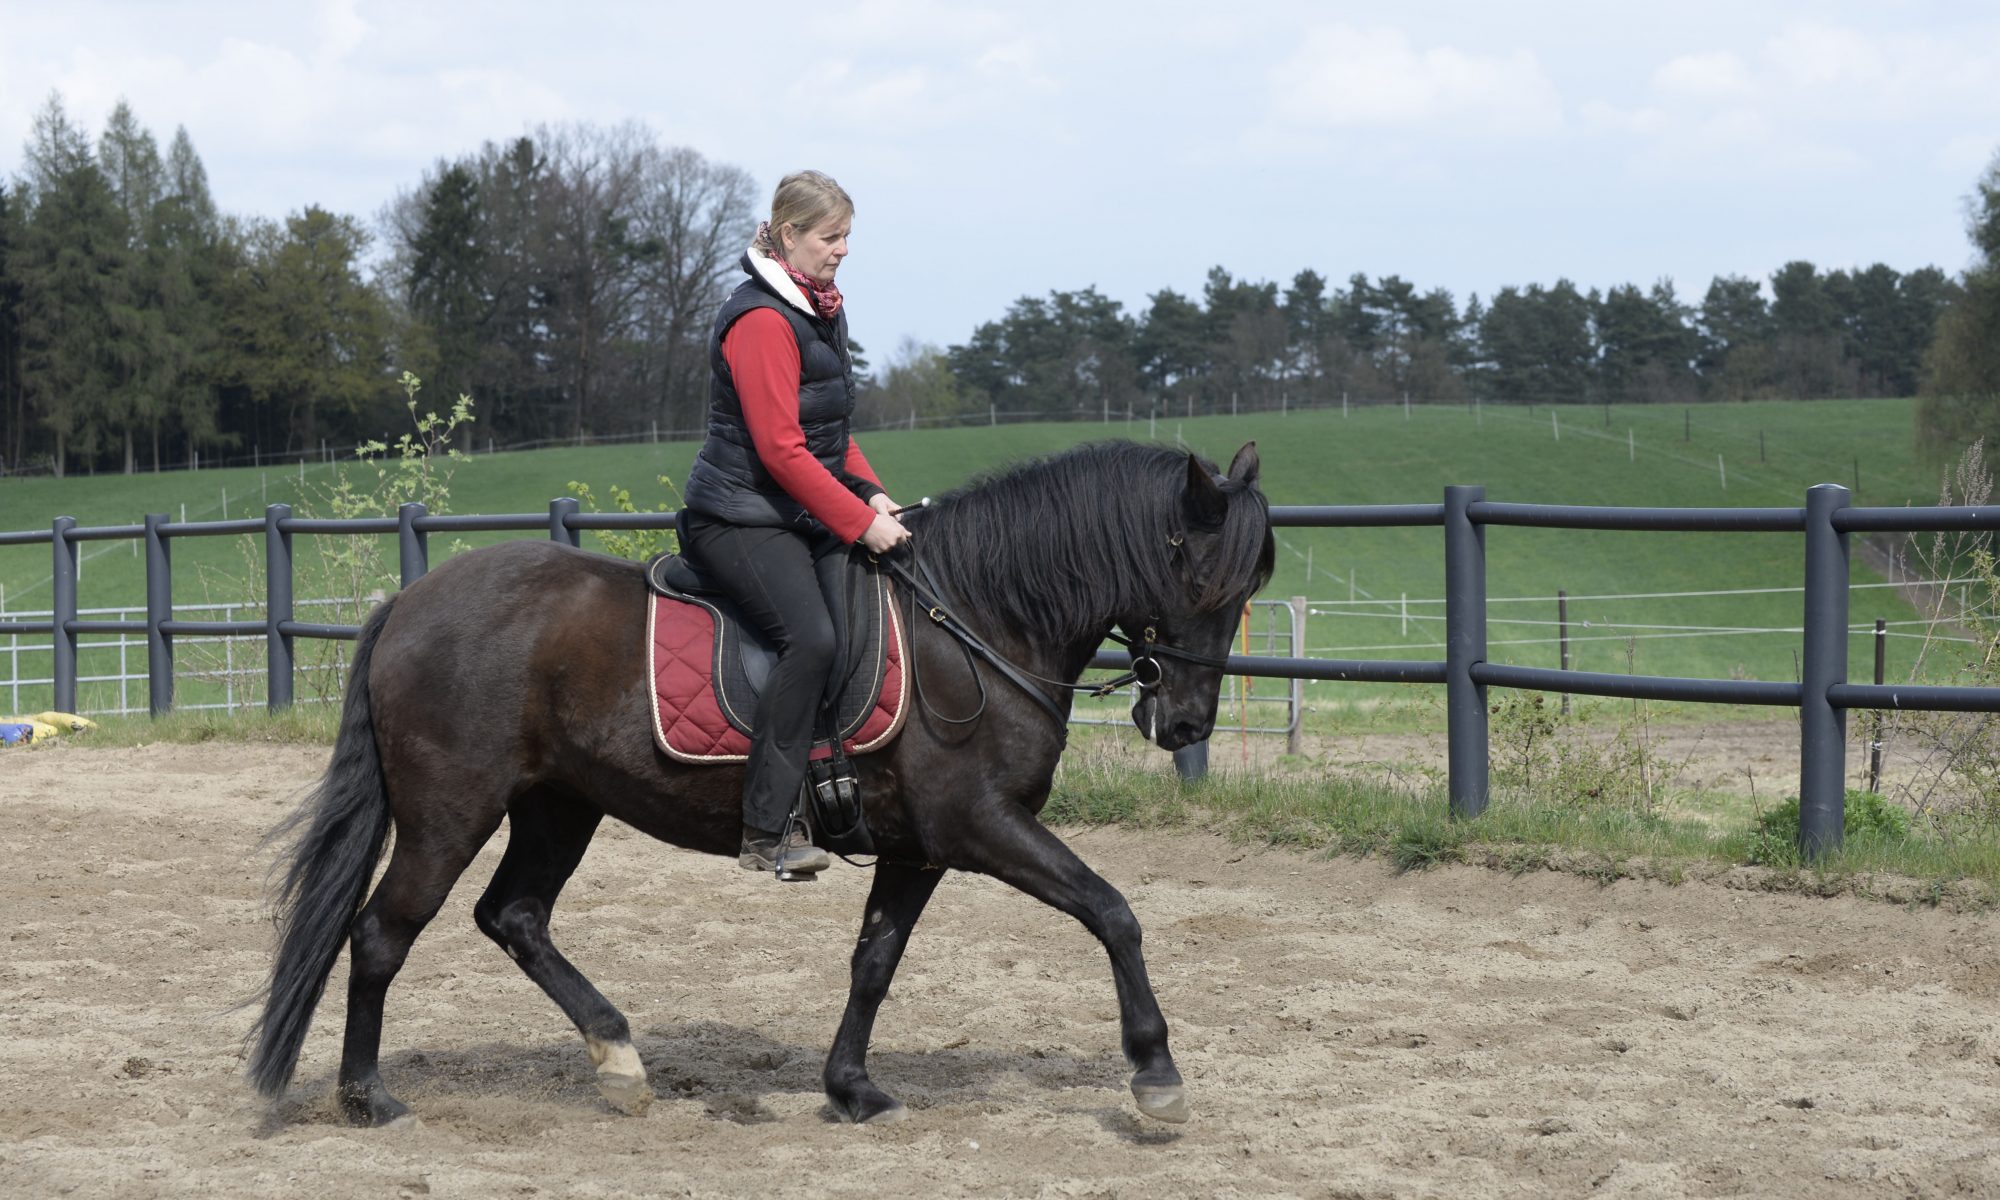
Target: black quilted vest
[727,480]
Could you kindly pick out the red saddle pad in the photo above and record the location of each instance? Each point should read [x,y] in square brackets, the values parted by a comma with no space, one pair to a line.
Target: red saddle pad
[689,721]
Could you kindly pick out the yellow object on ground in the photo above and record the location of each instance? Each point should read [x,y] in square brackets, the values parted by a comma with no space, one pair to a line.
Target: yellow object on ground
[65,722]
[21,731]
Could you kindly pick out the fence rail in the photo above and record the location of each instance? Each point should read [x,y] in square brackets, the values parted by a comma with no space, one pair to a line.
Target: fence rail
[1823,695]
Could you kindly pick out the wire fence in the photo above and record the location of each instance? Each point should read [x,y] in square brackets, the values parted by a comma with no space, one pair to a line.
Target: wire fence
[1152,412]
[215,672]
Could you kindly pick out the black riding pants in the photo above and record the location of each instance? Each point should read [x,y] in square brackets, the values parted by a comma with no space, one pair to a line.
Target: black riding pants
[782,580]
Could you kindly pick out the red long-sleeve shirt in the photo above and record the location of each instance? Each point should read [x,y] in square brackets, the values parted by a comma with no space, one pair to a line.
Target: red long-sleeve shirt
[763,357]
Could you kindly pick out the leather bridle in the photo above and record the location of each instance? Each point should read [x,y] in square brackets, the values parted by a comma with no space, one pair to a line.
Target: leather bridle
[1146,649]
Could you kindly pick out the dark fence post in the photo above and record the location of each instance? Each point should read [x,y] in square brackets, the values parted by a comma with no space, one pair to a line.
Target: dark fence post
[559,508]
[277,608]
[1464,645]
[412,545]
[159,610]
[63,584]
[1822,727]
[1192,761]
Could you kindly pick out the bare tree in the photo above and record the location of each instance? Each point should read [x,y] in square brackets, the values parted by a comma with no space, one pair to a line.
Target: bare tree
[693,219]
[596,177]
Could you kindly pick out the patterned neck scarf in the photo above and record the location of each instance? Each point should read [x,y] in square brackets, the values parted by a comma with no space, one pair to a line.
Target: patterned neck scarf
[824,297]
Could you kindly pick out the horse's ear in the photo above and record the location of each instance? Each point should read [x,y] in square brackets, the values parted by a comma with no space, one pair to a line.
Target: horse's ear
[1204,497]
[1243,468]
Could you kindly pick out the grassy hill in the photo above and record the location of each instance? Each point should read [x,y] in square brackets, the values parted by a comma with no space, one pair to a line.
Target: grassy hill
[1357,579]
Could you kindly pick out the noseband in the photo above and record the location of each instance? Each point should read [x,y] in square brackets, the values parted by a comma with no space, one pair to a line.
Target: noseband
[1147,650]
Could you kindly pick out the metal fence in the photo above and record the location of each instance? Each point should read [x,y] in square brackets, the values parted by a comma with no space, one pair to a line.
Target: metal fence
[1823,695]
[229,671]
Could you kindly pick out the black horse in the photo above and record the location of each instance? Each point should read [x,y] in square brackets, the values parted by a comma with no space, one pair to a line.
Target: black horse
[510,683]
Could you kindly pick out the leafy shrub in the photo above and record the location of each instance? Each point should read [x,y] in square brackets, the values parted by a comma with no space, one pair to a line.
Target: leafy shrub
[1774,842]
[637,544]
[1548,757]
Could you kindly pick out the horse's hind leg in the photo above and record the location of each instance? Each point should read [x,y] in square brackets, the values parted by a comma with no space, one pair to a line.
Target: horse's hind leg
[425,863]
[894,903]
[546,839]
[1018,849]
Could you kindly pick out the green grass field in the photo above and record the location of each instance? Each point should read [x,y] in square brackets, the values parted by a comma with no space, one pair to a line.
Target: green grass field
[1359,579]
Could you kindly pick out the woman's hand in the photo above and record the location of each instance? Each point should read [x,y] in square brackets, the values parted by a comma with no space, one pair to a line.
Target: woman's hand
[884,533]
[881,503]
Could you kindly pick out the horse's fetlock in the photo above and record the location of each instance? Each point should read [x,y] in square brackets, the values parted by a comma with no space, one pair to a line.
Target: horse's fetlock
[610,1030]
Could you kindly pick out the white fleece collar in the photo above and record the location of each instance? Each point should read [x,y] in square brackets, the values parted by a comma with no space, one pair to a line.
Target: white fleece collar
[773,274]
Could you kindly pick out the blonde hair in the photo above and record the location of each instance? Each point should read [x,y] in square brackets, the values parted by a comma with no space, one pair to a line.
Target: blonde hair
[805,200]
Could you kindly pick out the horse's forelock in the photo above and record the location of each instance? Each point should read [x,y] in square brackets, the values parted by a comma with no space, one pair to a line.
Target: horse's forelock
[1245,552]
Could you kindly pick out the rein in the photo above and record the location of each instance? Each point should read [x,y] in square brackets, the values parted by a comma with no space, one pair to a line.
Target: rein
[1146,649]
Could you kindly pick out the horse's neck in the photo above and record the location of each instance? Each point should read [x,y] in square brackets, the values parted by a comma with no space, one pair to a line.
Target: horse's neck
[1041,655]
[1048,655]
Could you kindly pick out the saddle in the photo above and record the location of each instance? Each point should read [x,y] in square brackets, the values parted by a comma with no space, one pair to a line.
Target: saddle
[708,665]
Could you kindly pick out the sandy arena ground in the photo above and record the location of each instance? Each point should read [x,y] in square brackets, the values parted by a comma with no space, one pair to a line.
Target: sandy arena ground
[1344,1031]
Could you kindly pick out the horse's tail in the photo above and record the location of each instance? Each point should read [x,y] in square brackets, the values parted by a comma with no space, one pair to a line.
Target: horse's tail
[345,820]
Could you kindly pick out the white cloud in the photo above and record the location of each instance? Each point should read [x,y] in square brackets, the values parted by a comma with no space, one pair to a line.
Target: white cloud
[1715,76]
[1814,56]
[1811,99]
[1601,116]
[339,28]
[1346,77]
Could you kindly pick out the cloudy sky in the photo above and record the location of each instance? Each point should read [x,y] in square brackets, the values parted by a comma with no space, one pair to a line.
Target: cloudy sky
[997,150]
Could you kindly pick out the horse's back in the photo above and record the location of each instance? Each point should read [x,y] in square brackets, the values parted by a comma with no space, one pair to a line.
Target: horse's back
[509,639]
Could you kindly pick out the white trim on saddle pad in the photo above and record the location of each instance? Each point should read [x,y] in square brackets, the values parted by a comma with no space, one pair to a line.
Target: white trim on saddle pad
[882,664]
[896,722]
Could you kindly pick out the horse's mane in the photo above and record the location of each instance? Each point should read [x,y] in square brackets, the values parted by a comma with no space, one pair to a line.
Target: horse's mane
[1050,546]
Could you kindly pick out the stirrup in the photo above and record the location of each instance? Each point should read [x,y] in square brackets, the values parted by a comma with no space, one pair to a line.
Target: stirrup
[796,859]
[790,856]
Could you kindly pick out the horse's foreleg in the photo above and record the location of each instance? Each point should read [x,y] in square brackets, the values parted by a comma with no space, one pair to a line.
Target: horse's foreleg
[894,903]
[1016,848]
[547,839]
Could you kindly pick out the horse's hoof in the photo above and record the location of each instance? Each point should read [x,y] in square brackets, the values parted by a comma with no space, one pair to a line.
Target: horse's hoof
[1162,1102]
[629,1094]
[621,1077]
[863,1103]
[374,1108]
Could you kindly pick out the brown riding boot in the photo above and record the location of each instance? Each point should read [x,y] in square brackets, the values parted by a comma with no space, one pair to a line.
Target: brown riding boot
[798,857]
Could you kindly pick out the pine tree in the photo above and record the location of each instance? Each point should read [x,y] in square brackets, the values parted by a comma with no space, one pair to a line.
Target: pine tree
[12,410]
[195,258]
[148,359]
[1735,357]
[73,277]
[447,277]
[1540,344]
[305,331]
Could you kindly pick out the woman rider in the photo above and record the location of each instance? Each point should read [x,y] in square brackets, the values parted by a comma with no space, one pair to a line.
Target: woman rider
[780,491]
